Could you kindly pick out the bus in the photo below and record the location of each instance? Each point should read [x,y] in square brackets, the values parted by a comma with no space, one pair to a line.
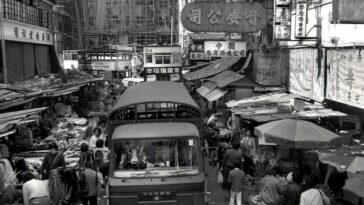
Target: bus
[70,59]
[154,134]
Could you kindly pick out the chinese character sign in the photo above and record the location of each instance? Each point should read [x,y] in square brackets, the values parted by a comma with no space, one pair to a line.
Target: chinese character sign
[224,48]
[301,18]
[345,78]
[238,17]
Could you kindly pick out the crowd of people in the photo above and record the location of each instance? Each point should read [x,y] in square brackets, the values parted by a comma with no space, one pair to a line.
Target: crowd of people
[57,184]
[236,163]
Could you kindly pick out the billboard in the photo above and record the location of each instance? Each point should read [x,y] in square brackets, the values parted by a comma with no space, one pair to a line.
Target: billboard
[224,48]
[238,17]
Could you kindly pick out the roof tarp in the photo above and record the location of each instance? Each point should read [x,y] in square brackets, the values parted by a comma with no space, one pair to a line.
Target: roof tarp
[157,91]
[155,130]
[245,82]
[206,88]
[216,67]
[225,78]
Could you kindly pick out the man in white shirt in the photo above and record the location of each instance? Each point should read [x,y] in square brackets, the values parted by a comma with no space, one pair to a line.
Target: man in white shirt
[35,191]
[97,135]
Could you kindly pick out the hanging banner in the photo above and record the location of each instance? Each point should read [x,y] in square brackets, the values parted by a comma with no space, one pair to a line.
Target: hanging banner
[306,78]
[242,17]
[345,77]
[271,68]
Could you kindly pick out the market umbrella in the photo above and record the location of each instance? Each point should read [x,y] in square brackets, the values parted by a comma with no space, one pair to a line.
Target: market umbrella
[353,189]
[345,158]
[298,134]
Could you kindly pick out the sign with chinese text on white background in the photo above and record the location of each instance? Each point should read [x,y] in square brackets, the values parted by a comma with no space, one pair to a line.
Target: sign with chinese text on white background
[224,17]
[305,77]
[271,68]
[224,48]
[199,56]
[301,20]
[282,13]
[103,65]
[16,31]
[345,77]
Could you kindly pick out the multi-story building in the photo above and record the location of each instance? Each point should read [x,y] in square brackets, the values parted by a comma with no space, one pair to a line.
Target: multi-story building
[125,22]
[29,39]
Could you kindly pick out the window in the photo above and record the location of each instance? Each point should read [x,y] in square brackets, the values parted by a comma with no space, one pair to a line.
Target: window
[163,58]
[149,58]
[156,157]
[107,56]
[100,56]
[114,56]
[126,57]
[93,56]
[74,56]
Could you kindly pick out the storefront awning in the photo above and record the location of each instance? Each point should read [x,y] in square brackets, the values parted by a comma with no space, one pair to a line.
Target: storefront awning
[225,78]
[216,67]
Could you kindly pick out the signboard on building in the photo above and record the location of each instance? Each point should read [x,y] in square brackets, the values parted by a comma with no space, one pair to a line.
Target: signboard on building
[199,56]
[239,17]
[271,68]
[15,31]
[282,19]
[348,11]
[345,77]
[306,78]
[224,48]
[301,20]
[103,65]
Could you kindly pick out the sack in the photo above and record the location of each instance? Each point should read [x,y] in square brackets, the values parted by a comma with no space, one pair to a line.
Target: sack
[220,178]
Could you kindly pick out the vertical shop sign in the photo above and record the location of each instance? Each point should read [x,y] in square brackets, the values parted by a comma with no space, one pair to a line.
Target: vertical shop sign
[301,20]
[282,11]
[345,78]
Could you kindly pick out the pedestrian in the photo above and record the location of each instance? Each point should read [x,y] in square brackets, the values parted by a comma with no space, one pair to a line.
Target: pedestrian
[52,160]
[93,180]
[87,155]
[232,158]
[97,135]
[102,155]
[35,191]
[315,195]
[69,182]
[21,169]
[293,190]
[271,188]
[236,181]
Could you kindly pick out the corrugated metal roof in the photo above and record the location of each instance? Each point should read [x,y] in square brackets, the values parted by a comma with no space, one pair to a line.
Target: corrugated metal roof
[215,94]
[216,67]
[206,88]
[225,78]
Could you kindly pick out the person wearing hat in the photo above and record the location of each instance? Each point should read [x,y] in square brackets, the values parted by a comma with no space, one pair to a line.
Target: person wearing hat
[52,160]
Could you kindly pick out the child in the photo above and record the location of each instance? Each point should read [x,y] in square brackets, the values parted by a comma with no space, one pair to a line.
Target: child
[236,177]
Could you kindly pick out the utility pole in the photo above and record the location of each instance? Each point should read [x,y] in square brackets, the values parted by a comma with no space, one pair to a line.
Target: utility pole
[78,16]
[172,30]
[3,51]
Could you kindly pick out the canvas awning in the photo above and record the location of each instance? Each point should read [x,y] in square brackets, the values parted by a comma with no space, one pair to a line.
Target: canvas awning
[225,78]
[155,130]
[216,67]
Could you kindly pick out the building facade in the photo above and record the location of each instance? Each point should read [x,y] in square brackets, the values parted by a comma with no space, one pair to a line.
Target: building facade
[128,21]
[29,39]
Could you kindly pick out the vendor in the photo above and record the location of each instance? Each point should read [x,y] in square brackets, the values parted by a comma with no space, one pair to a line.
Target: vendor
[52,160]
[45,125]
[271,188]
[97,135]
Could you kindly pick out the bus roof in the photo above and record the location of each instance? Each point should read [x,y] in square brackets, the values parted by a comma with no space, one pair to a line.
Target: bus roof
[155,130]
[157,91]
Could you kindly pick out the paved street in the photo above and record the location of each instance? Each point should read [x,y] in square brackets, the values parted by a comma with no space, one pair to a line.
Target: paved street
[218,196]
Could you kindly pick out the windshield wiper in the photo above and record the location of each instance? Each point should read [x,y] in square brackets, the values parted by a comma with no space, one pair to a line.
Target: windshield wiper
[176,173]
[140,174]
